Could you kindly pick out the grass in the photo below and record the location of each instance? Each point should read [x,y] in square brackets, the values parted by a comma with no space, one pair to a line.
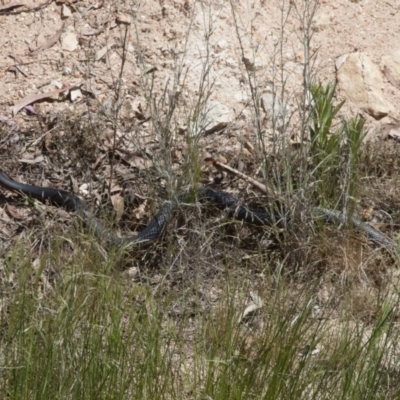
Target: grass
[95,334]
[215,310]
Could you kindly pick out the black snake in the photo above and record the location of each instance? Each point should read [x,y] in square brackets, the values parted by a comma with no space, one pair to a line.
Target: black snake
[156,226]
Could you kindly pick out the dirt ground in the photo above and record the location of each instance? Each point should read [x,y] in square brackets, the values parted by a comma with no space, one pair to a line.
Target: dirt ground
[38,58]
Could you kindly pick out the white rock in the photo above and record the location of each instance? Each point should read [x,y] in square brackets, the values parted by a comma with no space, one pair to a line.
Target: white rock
[84,189]
[231,63]
[56,84]
[69,40]
[221,45]
[65,12]
[241,97]
[75,94]
[360,81]
[275,109]
[214,118]
[322,21]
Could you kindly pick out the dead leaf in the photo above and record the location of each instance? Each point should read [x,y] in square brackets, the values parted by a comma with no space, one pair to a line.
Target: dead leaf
[139,212]
[123,19]
[102,52]
[40,6]
[50,43]
[249,146]
[36,160]
[16,212]
[30,109]
[93,32]
[3,211]
[84,189]
[252,308]
[249,310]
[11,5]
[115,188]
[95,6]
[134,159]
[368,213]
[6,120]
[75,186]
[149,69]
[9,8]
[118,203]
[40,96]
[394,134]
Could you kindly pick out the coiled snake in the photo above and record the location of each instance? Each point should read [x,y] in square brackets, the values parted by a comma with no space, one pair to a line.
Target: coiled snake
[155,228]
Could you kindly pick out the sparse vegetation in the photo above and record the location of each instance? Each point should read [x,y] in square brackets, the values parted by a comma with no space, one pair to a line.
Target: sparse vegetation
[215,310]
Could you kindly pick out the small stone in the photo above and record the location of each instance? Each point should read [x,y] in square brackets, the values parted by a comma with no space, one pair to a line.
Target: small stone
[215,118]
[123,19]
[69,41]
[57,84]
[221,45]
[75,94]
[65,12]
[360,80]
[241,97]
[84,189]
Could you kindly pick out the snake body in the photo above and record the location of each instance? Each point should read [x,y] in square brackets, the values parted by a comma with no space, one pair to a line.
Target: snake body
[157,225]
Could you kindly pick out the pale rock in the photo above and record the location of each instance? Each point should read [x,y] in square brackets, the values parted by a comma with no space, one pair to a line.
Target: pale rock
[340,61]
[65,12]
[231,63]
[289,56]
[132,108]
[75,94]
[84,189]
[214,118]
[299,56]
[69,40]
[56,84]
[360,81]
[241,97]
[322,21]
[391,67]
[66,70]
[275,109]
[383,131]
[221,45]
